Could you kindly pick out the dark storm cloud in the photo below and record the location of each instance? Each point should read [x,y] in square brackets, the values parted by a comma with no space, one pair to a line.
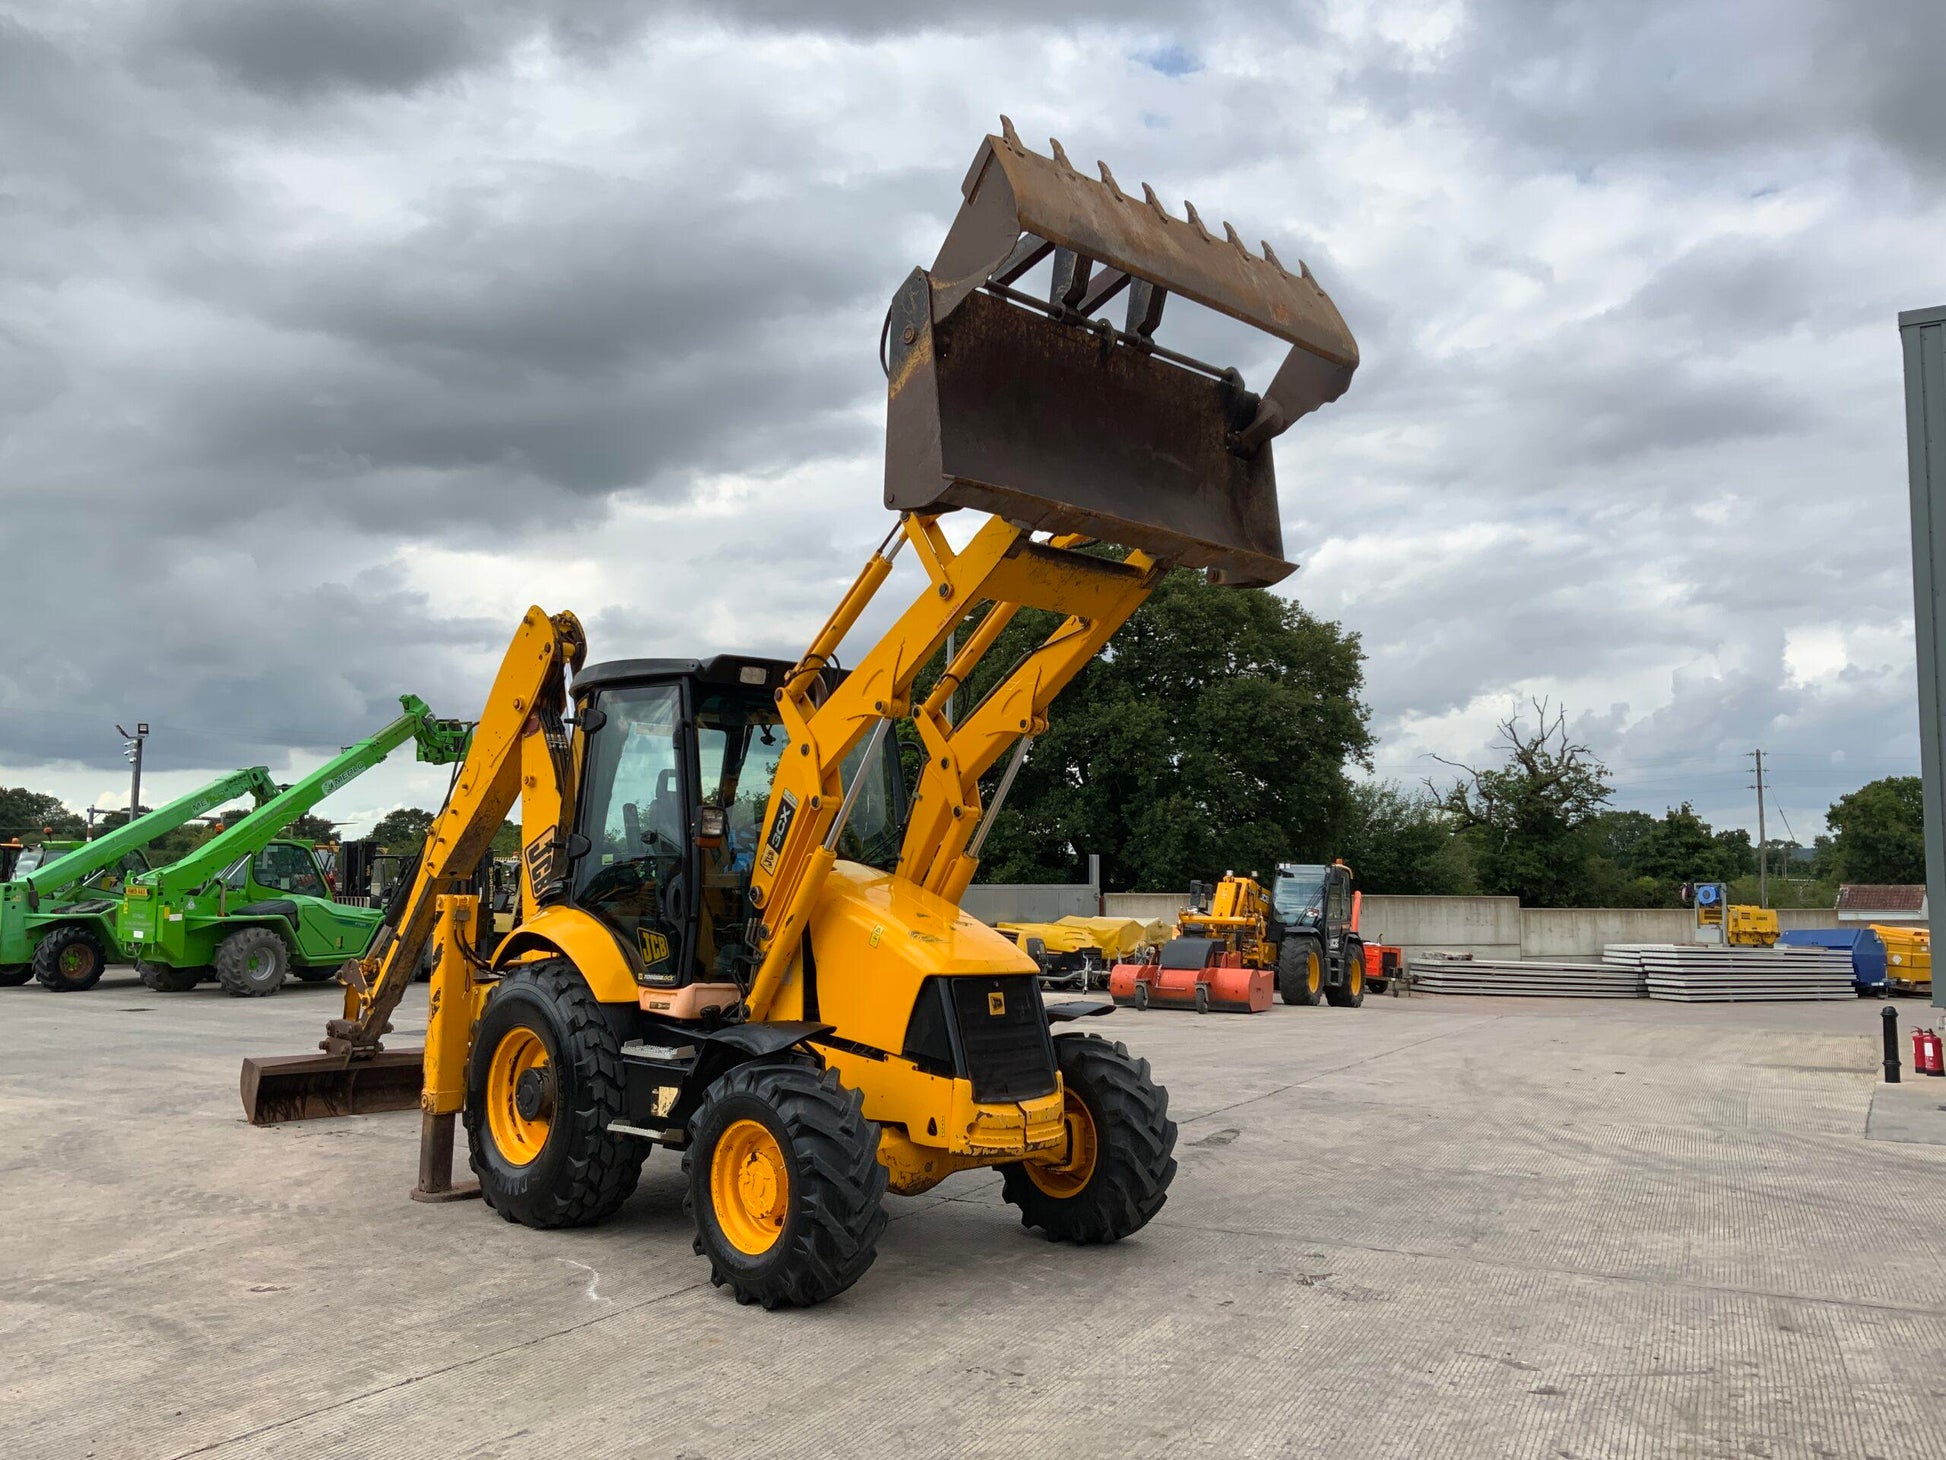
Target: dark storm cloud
[1604,79]
[299,299]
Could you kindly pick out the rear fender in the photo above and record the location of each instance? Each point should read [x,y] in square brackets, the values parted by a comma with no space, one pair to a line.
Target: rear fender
[581,938]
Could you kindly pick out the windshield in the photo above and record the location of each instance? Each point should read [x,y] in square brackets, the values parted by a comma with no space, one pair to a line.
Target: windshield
[1297,896]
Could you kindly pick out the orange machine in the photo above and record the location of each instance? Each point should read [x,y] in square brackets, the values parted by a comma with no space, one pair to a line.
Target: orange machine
[1220,957]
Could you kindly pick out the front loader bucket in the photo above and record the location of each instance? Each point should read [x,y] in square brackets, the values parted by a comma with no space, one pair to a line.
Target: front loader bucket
[1040,412]
[313,1086]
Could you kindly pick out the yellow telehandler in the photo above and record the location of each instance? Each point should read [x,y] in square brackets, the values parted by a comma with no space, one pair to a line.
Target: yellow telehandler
[736,935]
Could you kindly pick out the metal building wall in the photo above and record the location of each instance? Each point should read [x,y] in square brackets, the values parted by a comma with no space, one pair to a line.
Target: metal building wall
[1922,332]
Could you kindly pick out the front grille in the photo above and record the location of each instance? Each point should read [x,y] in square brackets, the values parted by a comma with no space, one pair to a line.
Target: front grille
[1003,1037]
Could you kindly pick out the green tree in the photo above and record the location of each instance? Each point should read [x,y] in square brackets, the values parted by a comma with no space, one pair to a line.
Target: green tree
[403,830]
[312,829]
[1398,839]
[1529,817]
[34,815]
[1213,735]
[1880,832]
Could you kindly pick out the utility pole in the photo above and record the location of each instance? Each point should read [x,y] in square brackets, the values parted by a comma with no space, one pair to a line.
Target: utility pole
[1763,846]
[132,752]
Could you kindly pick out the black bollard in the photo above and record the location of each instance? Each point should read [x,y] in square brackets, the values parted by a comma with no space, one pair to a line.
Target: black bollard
[1890,1018]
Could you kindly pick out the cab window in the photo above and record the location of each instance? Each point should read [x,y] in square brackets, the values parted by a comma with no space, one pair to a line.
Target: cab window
[282,867]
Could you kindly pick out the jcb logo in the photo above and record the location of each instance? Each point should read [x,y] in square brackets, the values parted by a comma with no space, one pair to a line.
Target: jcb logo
[655,947]
[996,1004]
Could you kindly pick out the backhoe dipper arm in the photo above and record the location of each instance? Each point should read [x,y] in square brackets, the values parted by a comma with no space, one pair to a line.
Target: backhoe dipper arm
[518,746]
[110,847]
[1003,566]
[439,741]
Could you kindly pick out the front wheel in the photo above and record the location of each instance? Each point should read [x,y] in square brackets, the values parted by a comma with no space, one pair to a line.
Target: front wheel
[70,959]
[1115,1172]
[1300,971]
[785,1184]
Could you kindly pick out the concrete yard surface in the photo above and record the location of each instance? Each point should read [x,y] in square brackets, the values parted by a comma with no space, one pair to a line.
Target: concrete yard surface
[1429,1227]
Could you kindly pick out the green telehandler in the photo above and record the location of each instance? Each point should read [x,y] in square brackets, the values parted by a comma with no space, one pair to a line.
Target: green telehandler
[252,906]
[57,907]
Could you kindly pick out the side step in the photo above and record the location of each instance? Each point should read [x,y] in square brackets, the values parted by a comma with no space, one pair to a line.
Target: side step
[657,1075]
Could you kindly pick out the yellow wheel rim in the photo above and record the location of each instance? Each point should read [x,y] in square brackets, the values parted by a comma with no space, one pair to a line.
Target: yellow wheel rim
[1313,972]
[1066,1178]
[520,1096]
[750,1187]
[1358,978]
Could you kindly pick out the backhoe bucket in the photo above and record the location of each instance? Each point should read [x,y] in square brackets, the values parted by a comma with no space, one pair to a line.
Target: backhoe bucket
[1041,412]
[311,1086]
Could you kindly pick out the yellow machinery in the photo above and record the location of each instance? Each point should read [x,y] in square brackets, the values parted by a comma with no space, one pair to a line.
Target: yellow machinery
[737,936]
[1908,956]
[1080,951]
[1234,913]
[1738,925]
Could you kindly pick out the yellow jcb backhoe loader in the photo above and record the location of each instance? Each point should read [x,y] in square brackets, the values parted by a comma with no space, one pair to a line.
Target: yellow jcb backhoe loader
[735,936]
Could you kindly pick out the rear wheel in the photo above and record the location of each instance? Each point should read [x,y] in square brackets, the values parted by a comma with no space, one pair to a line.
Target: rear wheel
[13,975]
[70,959]
[166,980]
[1300,971]
[785,1184]
[543,1085]
[1352,994]
[1119,1160]
[252,962]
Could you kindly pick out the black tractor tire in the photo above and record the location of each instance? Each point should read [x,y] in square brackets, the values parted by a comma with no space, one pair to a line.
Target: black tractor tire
[1300,971]
[13,975]
[830,1206]
[70,959]
[252,963]
[1134,1140]
[166,980]
[1352,992]
[581,1172]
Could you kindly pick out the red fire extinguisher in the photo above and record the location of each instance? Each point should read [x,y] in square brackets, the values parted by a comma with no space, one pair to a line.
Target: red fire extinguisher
[1919,1048]
[1932,1057]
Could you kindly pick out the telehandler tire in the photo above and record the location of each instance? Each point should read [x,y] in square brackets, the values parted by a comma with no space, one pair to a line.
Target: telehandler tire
[785,1184]
[1352,994]
[70,959]
[543,1084]
[1300,971]
[1121,1146]
[251,963]
[13,975]
[166,980]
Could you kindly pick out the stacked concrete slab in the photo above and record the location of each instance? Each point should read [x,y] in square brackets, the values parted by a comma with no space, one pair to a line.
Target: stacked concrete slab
[1705,974]
[1443,973]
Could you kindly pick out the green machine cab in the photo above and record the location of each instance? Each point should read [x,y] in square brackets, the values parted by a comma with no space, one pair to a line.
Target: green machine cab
[250,906]
[57,907]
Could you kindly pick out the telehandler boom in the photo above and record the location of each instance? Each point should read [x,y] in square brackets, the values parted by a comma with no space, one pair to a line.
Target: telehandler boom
[254,905]
[736,937]
[57,920]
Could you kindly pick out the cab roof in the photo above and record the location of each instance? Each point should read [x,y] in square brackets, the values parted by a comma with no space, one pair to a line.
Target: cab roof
[741,669]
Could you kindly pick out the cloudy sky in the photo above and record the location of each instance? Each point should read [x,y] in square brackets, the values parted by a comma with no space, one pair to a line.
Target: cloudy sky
[332,335]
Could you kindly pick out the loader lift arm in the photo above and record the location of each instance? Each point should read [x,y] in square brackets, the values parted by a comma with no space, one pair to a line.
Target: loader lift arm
[109,848]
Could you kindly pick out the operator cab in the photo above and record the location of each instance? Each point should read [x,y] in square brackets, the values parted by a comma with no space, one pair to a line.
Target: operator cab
[1305,895]
[677,758]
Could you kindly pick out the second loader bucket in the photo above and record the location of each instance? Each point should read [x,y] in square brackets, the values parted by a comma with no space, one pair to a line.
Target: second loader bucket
[1041,412]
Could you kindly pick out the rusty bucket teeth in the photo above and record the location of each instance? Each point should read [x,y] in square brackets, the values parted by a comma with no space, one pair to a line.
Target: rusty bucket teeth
[1046,412]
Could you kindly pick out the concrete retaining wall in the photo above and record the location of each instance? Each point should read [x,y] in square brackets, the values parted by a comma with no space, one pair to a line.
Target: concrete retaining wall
[1494,927]
[1026,902]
